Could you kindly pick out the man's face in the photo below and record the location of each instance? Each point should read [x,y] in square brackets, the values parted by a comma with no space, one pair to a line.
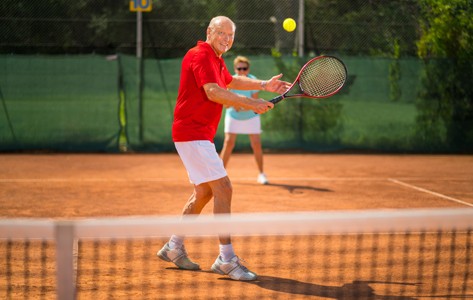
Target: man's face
[220,36]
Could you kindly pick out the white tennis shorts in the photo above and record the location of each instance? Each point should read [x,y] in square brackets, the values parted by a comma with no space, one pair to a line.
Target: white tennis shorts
[250,126]
[201,160]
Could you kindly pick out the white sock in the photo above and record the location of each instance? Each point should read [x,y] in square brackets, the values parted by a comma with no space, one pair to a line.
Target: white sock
[226,252]
[176,241]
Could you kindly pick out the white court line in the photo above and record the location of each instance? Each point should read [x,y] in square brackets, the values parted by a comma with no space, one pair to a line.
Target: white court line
[311,178]
[184,179]
[157,179]
[430,192]
[354,179]
[33,180]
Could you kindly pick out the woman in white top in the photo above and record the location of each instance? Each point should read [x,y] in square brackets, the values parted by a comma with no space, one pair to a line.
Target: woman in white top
[239,121]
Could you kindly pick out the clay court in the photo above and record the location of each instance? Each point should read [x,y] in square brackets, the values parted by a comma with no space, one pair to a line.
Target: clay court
[77,186]
[89,185]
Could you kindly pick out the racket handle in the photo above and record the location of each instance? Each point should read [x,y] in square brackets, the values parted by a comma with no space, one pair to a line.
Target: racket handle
[277,99]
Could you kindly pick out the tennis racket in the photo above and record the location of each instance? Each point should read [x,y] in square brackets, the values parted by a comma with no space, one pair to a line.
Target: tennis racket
[320,77]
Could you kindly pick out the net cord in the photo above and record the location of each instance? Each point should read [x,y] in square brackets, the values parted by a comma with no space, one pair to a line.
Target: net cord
[325,222]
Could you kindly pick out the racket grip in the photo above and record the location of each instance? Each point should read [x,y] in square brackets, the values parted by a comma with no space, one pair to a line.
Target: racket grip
[277,99]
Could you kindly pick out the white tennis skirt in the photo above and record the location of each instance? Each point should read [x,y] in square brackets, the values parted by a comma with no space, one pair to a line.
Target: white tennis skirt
[250,126]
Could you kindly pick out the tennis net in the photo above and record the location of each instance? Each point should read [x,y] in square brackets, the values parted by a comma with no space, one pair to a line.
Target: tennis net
[373,254]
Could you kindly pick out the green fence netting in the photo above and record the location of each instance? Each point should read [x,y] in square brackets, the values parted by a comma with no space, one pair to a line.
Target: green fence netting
[361,117]
[66,103]
[76,103]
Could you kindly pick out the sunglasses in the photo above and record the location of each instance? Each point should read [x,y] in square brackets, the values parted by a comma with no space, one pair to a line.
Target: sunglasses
[242,69]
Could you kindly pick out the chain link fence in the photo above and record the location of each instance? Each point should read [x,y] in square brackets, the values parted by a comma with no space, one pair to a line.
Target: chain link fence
[70,79]
[367,27]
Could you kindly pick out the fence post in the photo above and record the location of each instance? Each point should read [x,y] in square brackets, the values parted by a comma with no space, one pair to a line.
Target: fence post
[300,30]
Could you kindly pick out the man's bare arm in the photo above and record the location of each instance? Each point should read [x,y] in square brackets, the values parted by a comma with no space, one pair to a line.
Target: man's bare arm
[217,94]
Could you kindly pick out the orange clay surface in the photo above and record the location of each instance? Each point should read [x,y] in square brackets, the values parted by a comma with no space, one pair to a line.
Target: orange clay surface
[70,186]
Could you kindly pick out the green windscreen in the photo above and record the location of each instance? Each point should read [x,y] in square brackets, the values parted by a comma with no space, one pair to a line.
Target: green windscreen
[58,103]
[111,104]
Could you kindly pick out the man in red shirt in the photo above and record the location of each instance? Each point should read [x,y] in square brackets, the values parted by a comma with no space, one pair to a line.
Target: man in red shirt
[203,91]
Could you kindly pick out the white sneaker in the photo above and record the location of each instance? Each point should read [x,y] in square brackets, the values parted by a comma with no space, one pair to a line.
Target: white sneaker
[178,256]
[262,179]
[233,268]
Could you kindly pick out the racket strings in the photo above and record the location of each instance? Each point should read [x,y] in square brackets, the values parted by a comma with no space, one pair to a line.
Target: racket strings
[323,77]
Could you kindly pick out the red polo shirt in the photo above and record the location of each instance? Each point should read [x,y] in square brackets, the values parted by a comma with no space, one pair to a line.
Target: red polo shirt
[195,116]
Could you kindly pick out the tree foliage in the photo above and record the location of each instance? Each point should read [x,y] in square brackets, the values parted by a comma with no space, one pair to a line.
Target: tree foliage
[362,26]
[446,100]
[107,26]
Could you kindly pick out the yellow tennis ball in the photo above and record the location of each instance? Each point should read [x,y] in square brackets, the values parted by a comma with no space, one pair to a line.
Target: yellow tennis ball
[289,24]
